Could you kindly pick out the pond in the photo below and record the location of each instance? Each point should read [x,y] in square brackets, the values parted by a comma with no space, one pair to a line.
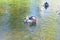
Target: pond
[47,27]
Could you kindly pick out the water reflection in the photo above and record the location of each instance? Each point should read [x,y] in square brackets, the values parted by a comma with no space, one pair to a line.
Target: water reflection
[33,8]
[33,12]
[4,23]
[4,28]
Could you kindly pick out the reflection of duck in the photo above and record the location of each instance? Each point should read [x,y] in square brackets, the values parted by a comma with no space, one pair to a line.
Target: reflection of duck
[30,20]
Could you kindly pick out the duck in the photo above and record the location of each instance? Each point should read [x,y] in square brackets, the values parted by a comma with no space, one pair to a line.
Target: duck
[30,20]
